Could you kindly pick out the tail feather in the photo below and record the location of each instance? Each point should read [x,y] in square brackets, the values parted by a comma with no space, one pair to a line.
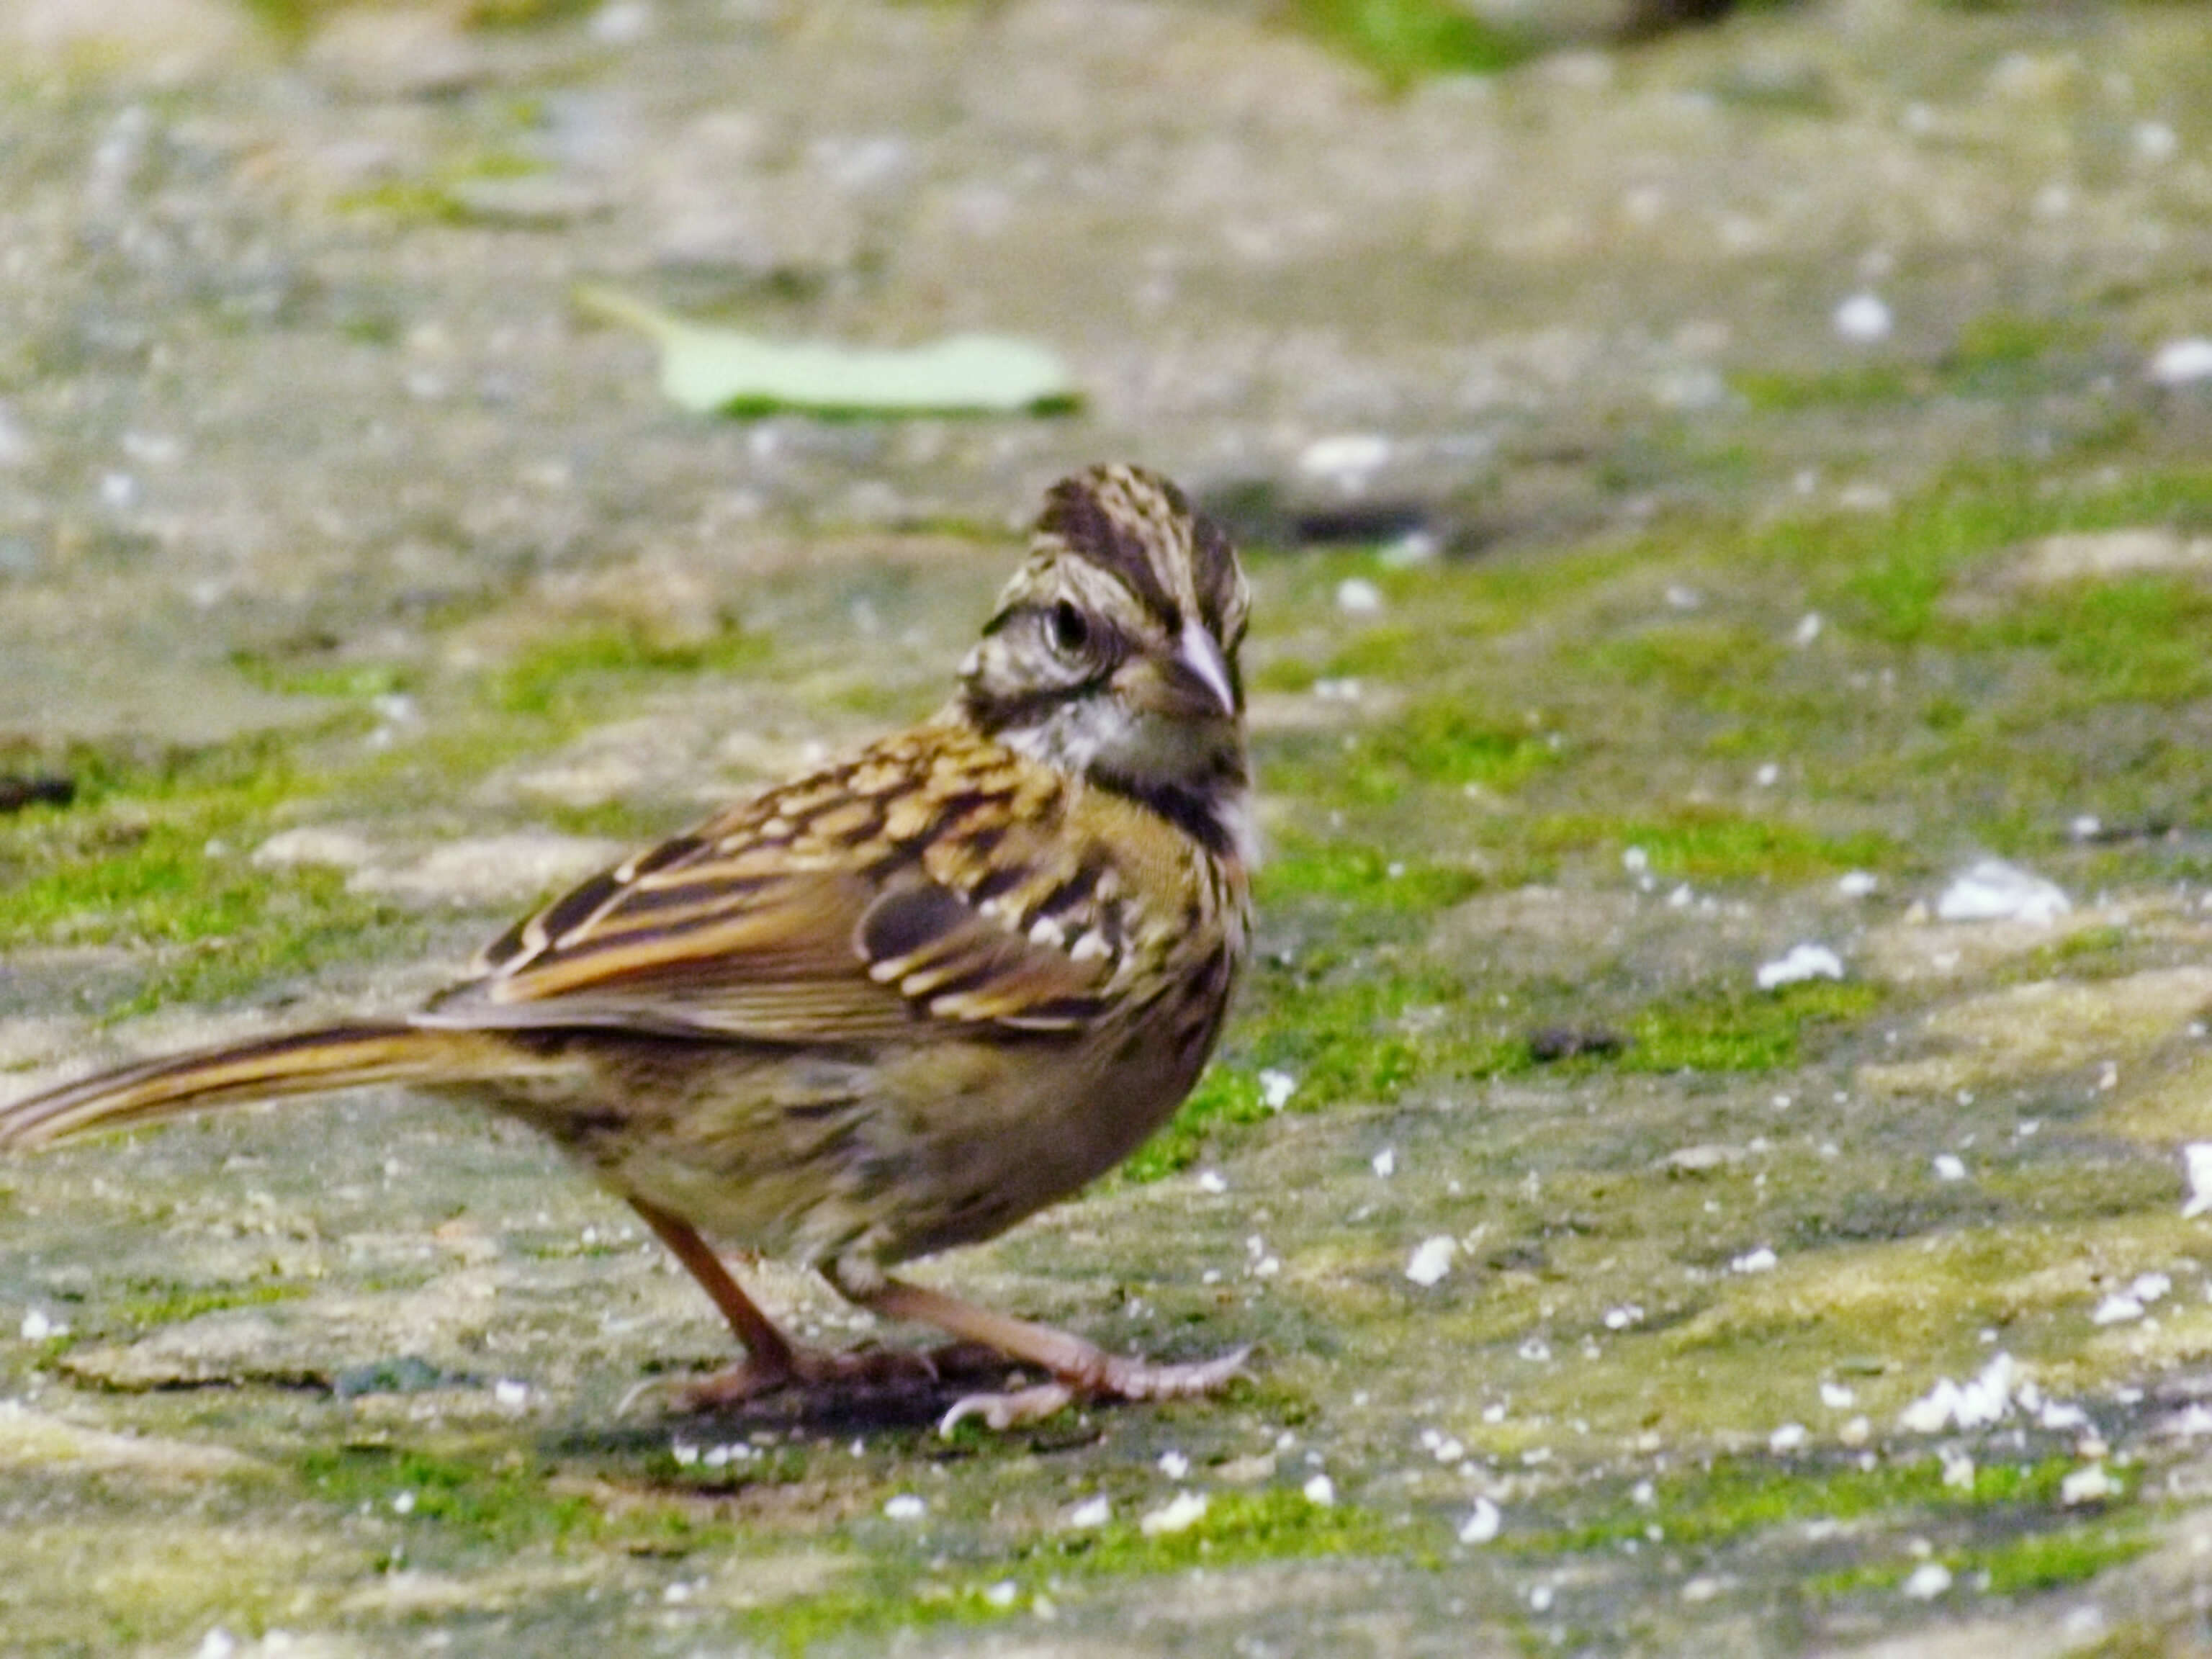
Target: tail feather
[301,1063]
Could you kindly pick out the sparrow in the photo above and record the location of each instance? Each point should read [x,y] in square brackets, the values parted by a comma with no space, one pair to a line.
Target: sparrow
[893,1005]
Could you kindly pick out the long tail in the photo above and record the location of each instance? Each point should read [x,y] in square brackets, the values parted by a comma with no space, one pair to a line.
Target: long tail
[303,1063]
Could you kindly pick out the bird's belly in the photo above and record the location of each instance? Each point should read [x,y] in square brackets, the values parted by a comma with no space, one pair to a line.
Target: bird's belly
[1027,1137]
[810,1158]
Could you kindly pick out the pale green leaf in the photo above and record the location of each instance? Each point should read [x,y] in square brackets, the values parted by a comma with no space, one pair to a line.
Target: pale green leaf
[708,369]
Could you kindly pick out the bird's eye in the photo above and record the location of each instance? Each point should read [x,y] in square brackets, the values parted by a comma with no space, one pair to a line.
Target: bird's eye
[1070,628]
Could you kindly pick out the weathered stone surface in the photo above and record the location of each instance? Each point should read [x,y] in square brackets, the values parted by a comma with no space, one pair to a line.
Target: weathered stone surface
[1747,453]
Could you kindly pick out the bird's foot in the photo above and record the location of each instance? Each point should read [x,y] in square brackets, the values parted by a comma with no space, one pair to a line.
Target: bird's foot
[868,1370]
[1116,1378]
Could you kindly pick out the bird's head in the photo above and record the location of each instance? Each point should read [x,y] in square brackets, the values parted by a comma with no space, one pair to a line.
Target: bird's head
[1113,651]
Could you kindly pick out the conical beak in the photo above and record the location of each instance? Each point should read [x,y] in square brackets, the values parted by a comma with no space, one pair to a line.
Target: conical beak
[1200,658]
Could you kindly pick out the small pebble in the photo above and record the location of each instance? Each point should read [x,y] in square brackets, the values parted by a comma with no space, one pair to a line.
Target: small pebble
[1174,1465]
[1978,1403]
[1347,458]
[1863,320]
[1357,596]
[2182,362]
[2089,1485]
[1091,1512]
[904,1507]
[1949,1167]
[1993,890]
[2197,1163]
[2117,1309]
[2155,141]
[1929,1580]
[1431,1260]
[1179,1514]
[619,22]
[1385,1162]
[1803,962]
[1320,1490]
[1481,1525]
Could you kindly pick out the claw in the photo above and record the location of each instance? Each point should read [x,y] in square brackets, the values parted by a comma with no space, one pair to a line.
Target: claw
[718,1390]
[867,1368]
[1015,1409]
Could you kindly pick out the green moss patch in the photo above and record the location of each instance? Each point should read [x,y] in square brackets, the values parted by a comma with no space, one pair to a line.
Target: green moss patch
[2022,1565]
[1735,1498]
[1237,1528]
[1405,40]
[2137,640]
[1346,1032]
[173,1305]
[1351,874]
[565,677]
[1708,844]
[503,1506]
[1747,1031]
[155,853]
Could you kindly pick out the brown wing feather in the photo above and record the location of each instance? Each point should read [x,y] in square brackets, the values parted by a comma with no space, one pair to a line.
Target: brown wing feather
[843,907]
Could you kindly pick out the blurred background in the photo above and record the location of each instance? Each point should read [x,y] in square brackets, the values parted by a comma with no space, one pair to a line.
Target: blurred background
[291,335]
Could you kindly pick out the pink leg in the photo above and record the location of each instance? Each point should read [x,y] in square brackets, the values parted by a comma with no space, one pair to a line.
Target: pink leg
[1080,1369]
[764,1344]
[773,1361]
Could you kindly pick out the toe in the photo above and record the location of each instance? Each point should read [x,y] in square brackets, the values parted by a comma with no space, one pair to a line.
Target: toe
[1016,1409]
[733,1387]
[1139,1379]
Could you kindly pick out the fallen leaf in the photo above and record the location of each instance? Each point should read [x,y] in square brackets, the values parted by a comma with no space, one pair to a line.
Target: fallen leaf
[708,369]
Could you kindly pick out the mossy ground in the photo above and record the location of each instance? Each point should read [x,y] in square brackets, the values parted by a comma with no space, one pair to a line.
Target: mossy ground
[1600,1324]
[358,1372]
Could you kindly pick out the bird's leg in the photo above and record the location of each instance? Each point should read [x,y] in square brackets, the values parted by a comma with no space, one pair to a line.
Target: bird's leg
[773,1361]
[1079,1370]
